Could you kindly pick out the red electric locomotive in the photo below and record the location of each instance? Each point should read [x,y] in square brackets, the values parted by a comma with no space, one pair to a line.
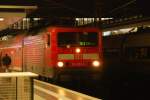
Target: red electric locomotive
[55,51]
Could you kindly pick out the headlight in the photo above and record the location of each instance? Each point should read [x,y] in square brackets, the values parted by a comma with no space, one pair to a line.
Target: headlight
[78,50]
[96,63]
[60,64]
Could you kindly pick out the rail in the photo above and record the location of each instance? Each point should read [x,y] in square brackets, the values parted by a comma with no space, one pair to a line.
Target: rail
[46,91]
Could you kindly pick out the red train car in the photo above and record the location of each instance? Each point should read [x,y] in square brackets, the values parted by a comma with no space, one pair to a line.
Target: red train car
[56,50]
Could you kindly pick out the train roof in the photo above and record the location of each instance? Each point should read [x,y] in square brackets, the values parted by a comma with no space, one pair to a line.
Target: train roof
[71,27]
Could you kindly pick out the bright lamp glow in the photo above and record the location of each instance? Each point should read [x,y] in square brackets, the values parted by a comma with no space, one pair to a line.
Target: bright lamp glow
[78,50]
[60,64]
[1,19]
[96,63]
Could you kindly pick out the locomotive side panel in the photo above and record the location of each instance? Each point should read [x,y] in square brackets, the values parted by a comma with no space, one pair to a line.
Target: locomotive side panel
[34,54]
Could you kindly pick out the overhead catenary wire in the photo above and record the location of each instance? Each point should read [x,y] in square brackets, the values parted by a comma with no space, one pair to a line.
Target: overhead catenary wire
[122,6]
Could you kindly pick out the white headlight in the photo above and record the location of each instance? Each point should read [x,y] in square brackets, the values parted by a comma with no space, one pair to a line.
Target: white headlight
[78,50]
[96,63]
[60,64]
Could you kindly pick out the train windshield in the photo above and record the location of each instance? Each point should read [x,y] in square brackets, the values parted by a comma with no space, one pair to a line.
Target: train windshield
[77,39]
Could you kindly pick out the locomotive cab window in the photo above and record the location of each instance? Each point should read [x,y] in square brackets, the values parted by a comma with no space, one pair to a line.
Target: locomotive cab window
[81,39]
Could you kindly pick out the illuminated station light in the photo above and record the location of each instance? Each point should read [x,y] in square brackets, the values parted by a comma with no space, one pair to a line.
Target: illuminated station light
[1,19]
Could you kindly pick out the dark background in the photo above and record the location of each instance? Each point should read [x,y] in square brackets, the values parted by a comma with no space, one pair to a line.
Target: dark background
[85,8]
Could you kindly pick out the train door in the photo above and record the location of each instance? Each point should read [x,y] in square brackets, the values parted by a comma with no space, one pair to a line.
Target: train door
[48,70]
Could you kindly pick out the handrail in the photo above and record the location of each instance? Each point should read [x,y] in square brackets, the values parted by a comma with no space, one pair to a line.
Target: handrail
[49,91]
[16,86]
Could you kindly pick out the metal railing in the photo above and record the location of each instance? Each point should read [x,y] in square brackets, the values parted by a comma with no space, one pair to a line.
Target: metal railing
[46,91]
[16,86]
[22,86]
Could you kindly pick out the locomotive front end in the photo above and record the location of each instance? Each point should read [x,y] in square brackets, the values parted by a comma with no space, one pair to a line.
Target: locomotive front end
[79,51]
